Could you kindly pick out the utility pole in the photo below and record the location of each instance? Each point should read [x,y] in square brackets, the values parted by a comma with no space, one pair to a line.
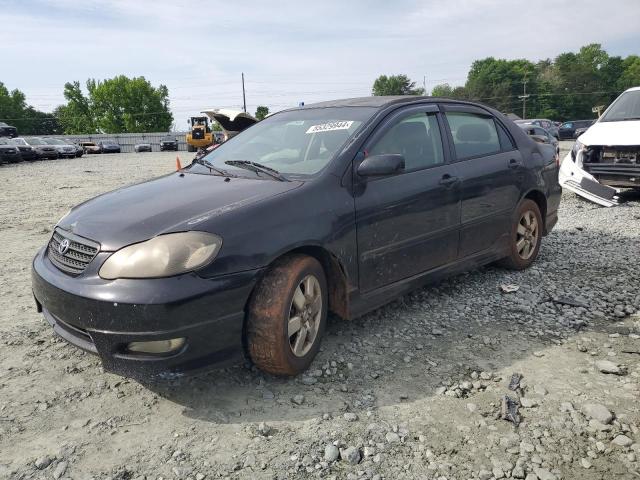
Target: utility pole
[244,98]
[524,97]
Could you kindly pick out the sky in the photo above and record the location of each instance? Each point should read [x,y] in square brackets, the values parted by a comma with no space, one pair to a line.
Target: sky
[289,51]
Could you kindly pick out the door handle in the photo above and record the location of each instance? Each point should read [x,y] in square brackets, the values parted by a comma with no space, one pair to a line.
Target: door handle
[514,163]
[448,180]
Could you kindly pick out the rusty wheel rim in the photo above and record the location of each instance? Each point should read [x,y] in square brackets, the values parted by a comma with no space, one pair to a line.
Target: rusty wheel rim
[304,315]
[527,235]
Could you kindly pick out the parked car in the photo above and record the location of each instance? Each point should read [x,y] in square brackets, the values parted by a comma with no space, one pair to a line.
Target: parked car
[606,158]
[64,149]
[339,206]
[8,130]
[9,152]
[78,148]
[27,152]
[548,125]
[90,147]
[42,148]
[541,135]
[108,146]
[168,143]
[567,130]
[142,147]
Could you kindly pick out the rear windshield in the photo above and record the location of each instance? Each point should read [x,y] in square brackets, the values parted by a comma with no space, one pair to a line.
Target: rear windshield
[298,143]
[625,107]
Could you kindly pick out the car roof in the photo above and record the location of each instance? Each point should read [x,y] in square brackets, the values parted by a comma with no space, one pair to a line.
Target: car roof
[382,101]
[632,89]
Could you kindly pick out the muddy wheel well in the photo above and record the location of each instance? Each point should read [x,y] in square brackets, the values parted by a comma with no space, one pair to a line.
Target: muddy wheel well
[538,197]
[336,278]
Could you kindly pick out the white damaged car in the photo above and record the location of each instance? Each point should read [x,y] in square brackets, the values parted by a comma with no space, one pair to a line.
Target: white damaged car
[606,158]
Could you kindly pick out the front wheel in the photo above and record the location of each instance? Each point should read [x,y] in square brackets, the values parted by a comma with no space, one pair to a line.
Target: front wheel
[526,236]
[287,315]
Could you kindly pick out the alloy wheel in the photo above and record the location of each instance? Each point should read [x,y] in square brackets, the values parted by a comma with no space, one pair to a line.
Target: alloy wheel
[305,314]
[527,235]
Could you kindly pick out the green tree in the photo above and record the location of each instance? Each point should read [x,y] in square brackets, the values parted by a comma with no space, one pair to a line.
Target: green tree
[129,105]
[395,85]
[444,90]
[76,116]
[261,112]
[630,76]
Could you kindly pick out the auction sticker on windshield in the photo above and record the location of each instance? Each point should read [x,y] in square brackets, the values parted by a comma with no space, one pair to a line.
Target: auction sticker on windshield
[327,127]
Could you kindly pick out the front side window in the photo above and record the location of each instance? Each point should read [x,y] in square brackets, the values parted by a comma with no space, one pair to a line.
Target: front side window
[473,135]
[417,138]
[567,125]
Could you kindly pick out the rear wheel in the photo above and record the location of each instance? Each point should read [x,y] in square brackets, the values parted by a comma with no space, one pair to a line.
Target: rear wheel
[526,236]
[287,316]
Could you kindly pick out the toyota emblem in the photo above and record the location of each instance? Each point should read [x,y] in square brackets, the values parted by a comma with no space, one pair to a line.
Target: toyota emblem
[64,246]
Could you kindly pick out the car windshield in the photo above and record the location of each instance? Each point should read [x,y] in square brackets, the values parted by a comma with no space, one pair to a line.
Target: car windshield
[5,141]
[168,139]
[54,141]
[36,141]
[19,141]
[625,107]
[298,143]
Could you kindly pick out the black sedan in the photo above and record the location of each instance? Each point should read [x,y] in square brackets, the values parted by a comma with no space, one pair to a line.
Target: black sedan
[108,146]
[334,207]
[567,131]
[9,152]
[168,143]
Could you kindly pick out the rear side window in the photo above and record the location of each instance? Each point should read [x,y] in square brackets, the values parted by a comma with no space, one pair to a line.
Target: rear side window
[473,135]
[416,138]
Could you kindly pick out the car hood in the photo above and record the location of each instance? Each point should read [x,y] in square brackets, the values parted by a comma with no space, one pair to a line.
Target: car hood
[612,133]
[172,203]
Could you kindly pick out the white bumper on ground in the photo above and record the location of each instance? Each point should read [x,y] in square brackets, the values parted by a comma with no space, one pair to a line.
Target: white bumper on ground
[574,178]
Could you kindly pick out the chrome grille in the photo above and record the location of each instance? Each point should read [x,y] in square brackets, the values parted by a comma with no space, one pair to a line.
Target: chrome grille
[80,253]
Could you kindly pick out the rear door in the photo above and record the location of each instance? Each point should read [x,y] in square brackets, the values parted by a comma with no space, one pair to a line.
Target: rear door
[408,223]
[492,172]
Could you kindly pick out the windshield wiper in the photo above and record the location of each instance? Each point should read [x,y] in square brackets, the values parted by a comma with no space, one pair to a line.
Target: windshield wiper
[257,167]
[211,167]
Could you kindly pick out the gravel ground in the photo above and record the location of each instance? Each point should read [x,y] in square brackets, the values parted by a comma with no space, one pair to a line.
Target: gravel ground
[412,390]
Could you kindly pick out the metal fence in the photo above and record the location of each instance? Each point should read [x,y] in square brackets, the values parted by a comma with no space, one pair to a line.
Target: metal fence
[128,140]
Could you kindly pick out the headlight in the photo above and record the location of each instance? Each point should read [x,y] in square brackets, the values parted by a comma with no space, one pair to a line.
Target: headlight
[576,148]
[162,256]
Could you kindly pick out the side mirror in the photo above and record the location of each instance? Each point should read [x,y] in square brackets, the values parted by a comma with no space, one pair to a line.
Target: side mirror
[540,138]
[379,165]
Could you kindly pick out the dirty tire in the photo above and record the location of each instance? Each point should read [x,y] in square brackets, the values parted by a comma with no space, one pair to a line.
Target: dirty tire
[268,316]
[515,260]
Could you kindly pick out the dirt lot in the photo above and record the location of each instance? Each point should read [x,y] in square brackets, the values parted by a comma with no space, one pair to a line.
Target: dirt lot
[412,390]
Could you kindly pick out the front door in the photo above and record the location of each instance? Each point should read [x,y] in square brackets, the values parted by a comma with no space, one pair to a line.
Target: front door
[408,223]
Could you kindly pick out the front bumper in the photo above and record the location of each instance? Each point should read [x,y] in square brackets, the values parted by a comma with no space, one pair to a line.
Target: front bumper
[48,154]
[573,177]
[10,157]
[103,317]
[168,146]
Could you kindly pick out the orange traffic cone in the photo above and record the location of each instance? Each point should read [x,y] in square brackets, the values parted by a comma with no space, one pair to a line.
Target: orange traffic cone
[178,165]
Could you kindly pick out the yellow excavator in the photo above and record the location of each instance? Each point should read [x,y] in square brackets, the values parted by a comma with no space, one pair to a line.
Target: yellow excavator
[232,122]
[199,134]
